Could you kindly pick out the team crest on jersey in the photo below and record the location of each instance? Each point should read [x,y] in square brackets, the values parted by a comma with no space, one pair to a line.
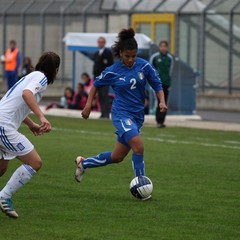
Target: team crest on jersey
[20,146]
[141,75]
[128,122]
[100,76]
[37,88]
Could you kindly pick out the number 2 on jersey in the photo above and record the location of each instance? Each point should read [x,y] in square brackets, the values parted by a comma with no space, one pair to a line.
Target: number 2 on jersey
[134,82]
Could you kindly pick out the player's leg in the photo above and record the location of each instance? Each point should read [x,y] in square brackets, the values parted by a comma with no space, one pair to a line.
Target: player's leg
[136,143]
[31,164]
[166,93]
[18,145]
[3,166]
[160,116]
[104,101]
[120,151]
[157,114]
[105,158]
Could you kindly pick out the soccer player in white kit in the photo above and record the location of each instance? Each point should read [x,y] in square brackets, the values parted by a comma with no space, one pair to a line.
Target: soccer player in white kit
[15,106]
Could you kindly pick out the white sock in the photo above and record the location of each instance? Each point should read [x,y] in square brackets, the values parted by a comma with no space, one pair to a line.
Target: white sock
[19,178]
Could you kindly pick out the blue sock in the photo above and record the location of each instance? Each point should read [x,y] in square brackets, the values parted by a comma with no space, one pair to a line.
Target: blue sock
[138,164]
[100,160]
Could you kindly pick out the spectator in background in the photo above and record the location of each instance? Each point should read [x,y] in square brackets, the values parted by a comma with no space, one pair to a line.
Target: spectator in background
[102,59]
[12,61]
[79,99]
[163,62]
[65,100]
[27,66]
[88,83]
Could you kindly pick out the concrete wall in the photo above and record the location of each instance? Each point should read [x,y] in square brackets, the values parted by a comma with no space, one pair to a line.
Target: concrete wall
[221,102]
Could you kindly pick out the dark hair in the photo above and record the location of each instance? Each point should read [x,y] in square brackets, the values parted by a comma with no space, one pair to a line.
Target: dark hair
[163,42]
[70,90]
[86,75]
[13,42]
[81,85]
[126,41]
[47,64]
[102,38]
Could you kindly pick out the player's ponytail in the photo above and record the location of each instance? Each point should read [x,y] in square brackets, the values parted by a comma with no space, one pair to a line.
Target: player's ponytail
[48,63]
[126,41]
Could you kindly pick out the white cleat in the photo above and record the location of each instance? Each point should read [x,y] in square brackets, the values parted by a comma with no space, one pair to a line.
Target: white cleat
[80,170]
[6,206]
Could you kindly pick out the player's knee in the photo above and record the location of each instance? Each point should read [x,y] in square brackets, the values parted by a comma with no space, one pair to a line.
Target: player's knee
[138,149]
[117,158]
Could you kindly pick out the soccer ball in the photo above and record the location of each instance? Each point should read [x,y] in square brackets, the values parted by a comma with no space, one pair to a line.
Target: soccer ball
[141,187]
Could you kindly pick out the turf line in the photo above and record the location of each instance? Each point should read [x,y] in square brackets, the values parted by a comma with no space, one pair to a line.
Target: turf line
[192,143]
[151,139]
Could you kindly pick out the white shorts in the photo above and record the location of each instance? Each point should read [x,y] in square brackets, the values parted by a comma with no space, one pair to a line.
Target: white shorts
[13,144]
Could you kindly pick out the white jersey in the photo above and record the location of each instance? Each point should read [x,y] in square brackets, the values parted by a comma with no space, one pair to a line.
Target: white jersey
[13,109]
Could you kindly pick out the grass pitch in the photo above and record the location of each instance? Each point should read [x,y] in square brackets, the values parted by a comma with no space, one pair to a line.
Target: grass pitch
[196,181]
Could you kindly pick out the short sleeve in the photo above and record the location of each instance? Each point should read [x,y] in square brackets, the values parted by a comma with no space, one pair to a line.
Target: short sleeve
[106,78]
[37,83]
[153,77]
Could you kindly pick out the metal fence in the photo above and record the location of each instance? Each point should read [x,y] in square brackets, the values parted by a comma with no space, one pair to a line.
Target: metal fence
[204,34]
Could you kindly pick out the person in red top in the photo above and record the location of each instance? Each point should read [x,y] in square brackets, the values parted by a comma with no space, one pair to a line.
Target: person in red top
[88,83]
[11,59]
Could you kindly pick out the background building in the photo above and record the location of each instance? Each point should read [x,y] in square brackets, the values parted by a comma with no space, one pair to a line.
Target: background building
[204,34]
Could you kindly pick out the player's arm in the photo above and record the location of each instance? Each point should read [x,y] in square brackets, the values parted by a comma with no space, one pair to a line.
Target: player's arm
[105,79]
[30,100]
[34,127]
[87,109]
[162,104]
[156,84]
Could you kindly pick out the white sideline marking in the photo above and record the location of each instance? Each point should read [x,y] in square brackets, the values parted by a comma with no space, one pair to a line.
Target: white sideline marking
[81,131]
[192,143]
[233,142]
[152,139]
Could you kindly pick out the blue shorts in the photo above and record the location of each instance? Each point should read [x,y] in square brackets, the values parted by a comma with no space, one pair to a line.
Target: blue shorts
[127,128]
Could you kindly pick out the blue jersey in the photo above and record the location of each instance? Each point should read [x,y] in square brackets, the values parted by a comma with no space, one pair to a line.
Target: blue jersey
[128,85]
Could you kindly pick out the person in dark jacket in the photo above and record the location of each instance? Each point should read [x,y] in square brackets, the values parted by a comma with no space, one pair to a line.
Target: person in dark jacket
[163,62]
[102,59]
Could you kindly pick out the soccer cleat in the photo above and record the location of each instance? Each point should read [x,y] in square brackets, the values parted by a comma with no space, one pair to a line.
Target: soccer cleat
[80,170]
[6,206]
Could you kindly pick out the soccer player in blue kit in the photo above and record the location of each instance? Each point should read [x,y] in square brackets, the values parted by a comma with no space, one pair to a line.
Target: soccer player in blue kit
[128,77]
